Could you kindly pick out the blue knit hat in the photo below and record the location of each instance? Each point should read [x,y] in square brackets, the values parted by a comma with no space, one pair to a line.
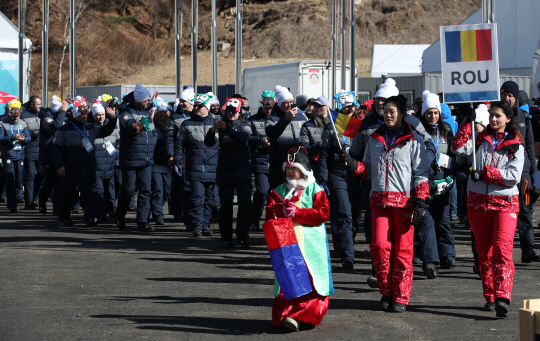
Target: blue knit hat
[511,87]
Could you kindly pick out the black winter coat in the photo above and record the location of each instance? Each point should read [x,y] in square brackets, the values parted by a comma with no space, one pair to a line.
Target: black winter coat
[233,157]
[200,160]
[50,122]
[68,150]
[259,153]
[283,135]
[136,150]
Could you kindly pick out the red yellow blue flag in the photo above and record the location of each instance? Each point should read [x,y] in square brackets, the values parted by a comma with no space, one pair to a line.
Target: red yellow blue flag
[468,46]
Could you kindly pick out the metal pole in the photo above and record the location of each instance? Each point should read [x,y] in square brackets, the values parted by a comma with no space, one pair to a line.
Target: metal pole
[491,16]
[214,49]
[484,11]
[334,53]
[194,41]
[22,10]
[343,45]
[238,48]
[72,47]
[177,45]
[351,47]
[45,55]
[533,74]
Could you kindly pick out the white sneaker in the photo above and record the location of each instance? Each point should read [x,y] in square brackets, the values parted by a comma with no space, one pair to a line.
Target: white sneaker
[290,324]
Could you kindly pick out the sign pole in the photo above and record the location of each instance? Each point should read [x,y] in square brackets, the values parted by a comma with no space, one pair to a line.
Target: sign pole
[194,42]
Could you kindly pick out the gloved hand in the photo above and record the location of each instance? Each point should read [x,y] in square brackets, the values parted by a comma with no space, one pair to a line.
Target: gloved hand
[471,115]
[349,162]
[441,188]
[476,175]
[419,207]
[289,211]
[324,186]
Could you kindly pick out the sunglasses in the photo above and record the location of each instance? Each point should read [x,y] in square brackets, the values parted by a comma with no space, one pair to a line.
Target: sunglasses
[198,106]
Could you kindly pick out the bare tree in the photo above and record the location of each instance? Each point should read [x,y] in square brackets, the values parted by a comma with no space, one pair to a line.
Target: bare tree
[62,7]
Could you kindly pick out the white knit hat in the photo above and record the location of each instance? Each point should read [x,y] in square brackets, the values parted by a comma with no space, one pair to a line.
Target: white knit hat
[176,102]
[214,99]
[97,107]
[430,101]
[141,94]
[187,95]
[482,115]
[282,94]
[387,89]
[56,104]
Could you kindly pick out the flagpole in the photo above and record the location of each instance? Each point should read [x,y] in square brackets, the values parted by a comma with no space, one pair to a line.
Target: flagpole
[334,126]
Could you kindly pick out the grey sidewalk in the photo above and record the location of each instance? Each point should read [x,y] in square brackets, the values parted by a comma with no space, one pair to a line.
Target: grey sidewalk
[76,283]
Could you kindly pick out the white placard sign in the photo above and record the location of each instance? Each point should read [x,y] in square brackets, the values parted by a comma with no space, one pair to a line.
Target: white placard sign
[470,63]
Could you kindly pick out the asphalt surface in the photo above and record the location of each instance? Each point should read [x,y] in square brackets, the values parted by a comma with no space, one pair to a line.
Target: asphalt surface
[78,283]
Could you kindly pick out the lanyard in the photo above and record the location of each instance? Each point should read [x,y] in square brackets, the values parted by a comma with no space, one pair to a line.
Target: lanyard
[344,140]
[437,143]
[82,132]
[388,144]
[495,142]
[18,129]
[380,122]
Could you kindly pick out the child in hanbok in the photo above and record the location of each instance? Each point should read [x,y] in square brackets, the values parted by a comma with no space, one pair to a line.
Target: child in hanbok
[300,303]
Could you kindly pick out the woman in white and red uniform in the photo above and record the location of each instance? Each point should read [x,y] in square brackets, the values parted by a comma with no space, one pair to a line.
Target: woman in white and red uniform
[493,203]
[397,163]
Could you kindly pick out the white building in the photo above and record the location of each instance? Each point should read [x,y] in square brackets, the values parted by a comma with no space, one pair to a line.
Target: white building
[397,60]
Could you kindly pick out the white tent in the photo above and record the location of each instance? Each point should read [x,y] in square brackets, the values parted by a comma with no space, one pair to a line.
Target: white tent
[9,59]
[396,60]
[518,31]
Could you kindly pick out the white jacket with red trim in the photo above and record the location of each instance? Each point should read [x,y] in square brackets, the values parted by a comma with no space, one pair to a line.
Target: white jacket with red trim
[398,173]
[501,170]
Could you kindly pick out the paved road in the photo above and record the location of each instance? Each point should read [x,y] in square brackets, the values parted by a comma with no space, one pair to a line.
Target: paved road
[59,283]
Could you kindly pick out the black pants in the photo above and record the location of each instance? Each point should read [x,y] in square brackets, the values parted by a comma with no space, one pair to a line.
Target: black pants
[89,199]
[14,178]
[32,181]
[51,181]
[525,228]
[260,196]
[226,197]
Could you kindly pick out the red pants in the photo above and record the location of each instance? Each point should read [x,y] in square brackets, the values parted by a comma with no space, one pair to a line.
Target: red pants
[494,233]
[392,251]
[309,308]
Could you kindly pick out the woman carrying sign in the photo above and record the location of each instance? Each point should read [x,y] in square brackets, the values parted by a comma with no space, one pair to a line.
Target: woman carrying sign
[493,199]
